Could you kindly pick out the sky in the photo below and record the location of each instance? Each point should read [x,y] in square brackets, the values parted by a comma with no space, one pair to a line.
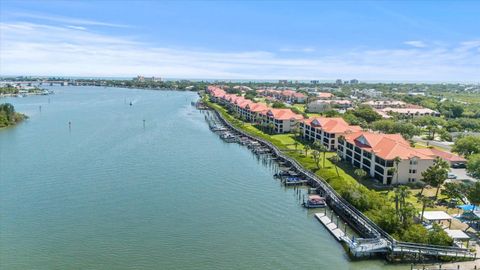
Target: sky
[430,41]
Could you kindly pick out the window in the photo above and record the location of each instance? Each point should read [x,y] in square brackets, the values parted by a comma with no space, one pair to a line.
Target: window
[356,163]
[412,171]
[358,150]
[367,154]
[389,163]
[366,162]
[358,157]
[349,152]
[413,162]
[379,169]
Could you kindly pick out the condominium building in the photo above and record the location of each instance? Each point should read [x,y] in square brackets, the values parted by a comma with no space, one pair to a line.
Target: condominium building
[326,130]
[376,153]
[283,119]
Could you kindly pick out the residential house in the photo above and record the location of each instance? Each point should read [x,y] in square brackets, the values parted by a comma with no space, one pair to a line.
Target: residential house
[283,119]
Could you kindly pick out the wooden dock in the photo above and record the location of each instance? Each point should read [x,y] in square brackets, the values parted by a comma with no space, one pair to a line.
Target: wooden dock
[331,226]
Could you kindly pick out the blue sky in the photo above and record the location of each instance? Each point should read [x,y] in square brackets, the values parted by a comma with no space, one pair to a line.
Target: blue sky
[377,40]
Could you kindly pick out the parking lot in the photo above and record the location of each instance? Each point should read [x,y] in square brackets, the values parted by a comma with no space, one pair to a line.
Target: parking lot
[462,174]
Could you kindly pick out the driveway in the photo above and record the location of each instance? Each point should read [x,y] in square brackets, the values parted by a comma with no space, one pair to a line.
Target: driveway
[462,174]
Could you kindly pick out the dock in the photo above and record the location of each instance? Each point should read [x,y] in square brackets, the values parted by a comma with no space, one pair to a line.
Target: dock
[331,226]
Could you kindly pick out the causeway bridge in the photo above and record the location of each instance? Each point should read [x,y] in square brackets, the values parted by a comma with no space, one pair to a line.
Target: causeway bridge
[375,240]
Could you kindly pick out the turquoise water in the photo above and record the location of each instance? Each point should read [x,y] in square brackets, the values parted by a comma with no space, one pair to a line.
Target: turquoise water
[110,194]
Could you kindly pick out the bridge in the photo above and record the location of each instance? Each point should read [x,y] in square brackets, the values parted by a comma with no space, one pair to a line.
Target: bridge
[375,240]
[38,82]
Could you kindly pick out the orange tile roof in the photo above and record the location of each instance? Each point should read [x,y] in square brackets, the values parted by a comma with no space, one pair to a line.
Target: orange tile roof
[386,146]
[332,124]
[257,107]
[283,114]
[243,104]
[324,95]
[444,155]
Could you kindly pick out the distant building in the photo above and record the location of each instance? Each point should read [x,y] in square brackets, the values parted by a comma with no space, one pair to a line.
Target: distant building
[324,95]
[380,104]
[411,93]
[315,82]
[368,93]
[322,105]
[354,81]
[338,82]
[282,81]
[141,78]
[407,112]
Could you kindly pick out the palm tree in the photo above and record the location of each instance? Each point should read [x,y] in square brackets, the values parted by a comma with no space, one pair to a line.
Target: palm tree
[403,193]
[316,158]
[295,143]
[323,150]
[335,158]
[306,147]
[296,130]
[396,195]
[271,127]
[391,171]
[397,161]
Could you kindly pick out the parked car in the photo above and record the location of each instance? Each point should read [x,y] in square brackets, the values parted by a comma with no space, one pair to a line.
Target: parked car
[451,176]
[459,165]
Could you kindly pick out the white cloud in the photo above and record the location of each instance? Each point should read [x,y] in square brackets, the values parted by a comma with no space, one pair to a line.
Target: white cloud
[76,27]
[61,19]
[416,43]
[40,49]
[304,50]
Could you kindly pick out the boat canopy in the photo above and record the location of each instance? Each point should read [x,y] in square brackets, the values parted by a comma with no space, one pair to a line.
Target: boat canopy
[315,198]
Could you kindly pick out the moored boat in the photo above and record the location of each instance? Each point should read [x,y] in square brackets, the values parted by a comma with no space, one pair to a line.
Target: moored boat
[315,201]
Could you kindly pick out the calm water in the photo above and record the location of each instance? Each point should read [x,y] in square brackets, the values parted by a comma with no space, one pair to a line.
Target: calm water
[110,194]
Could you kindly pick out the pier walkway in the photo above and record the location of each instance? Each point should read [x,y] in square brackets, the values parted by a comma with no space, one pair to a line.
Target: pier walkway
[375,239]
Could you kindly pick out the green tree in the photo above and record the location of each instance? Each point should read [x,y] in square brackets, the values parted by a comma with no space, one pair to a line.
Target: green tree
[360,173]
[473,194]
[452,190]
[473,165]
[435,175]
[366,113]
[467,145]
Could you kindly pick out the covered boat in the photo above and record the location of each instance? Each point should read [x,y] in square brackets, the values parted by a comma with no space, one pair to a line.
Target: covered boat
[315,201]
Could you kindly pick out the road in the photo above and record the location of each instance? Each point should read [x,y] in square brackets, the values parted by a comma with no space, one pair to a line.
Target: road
[443,145]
